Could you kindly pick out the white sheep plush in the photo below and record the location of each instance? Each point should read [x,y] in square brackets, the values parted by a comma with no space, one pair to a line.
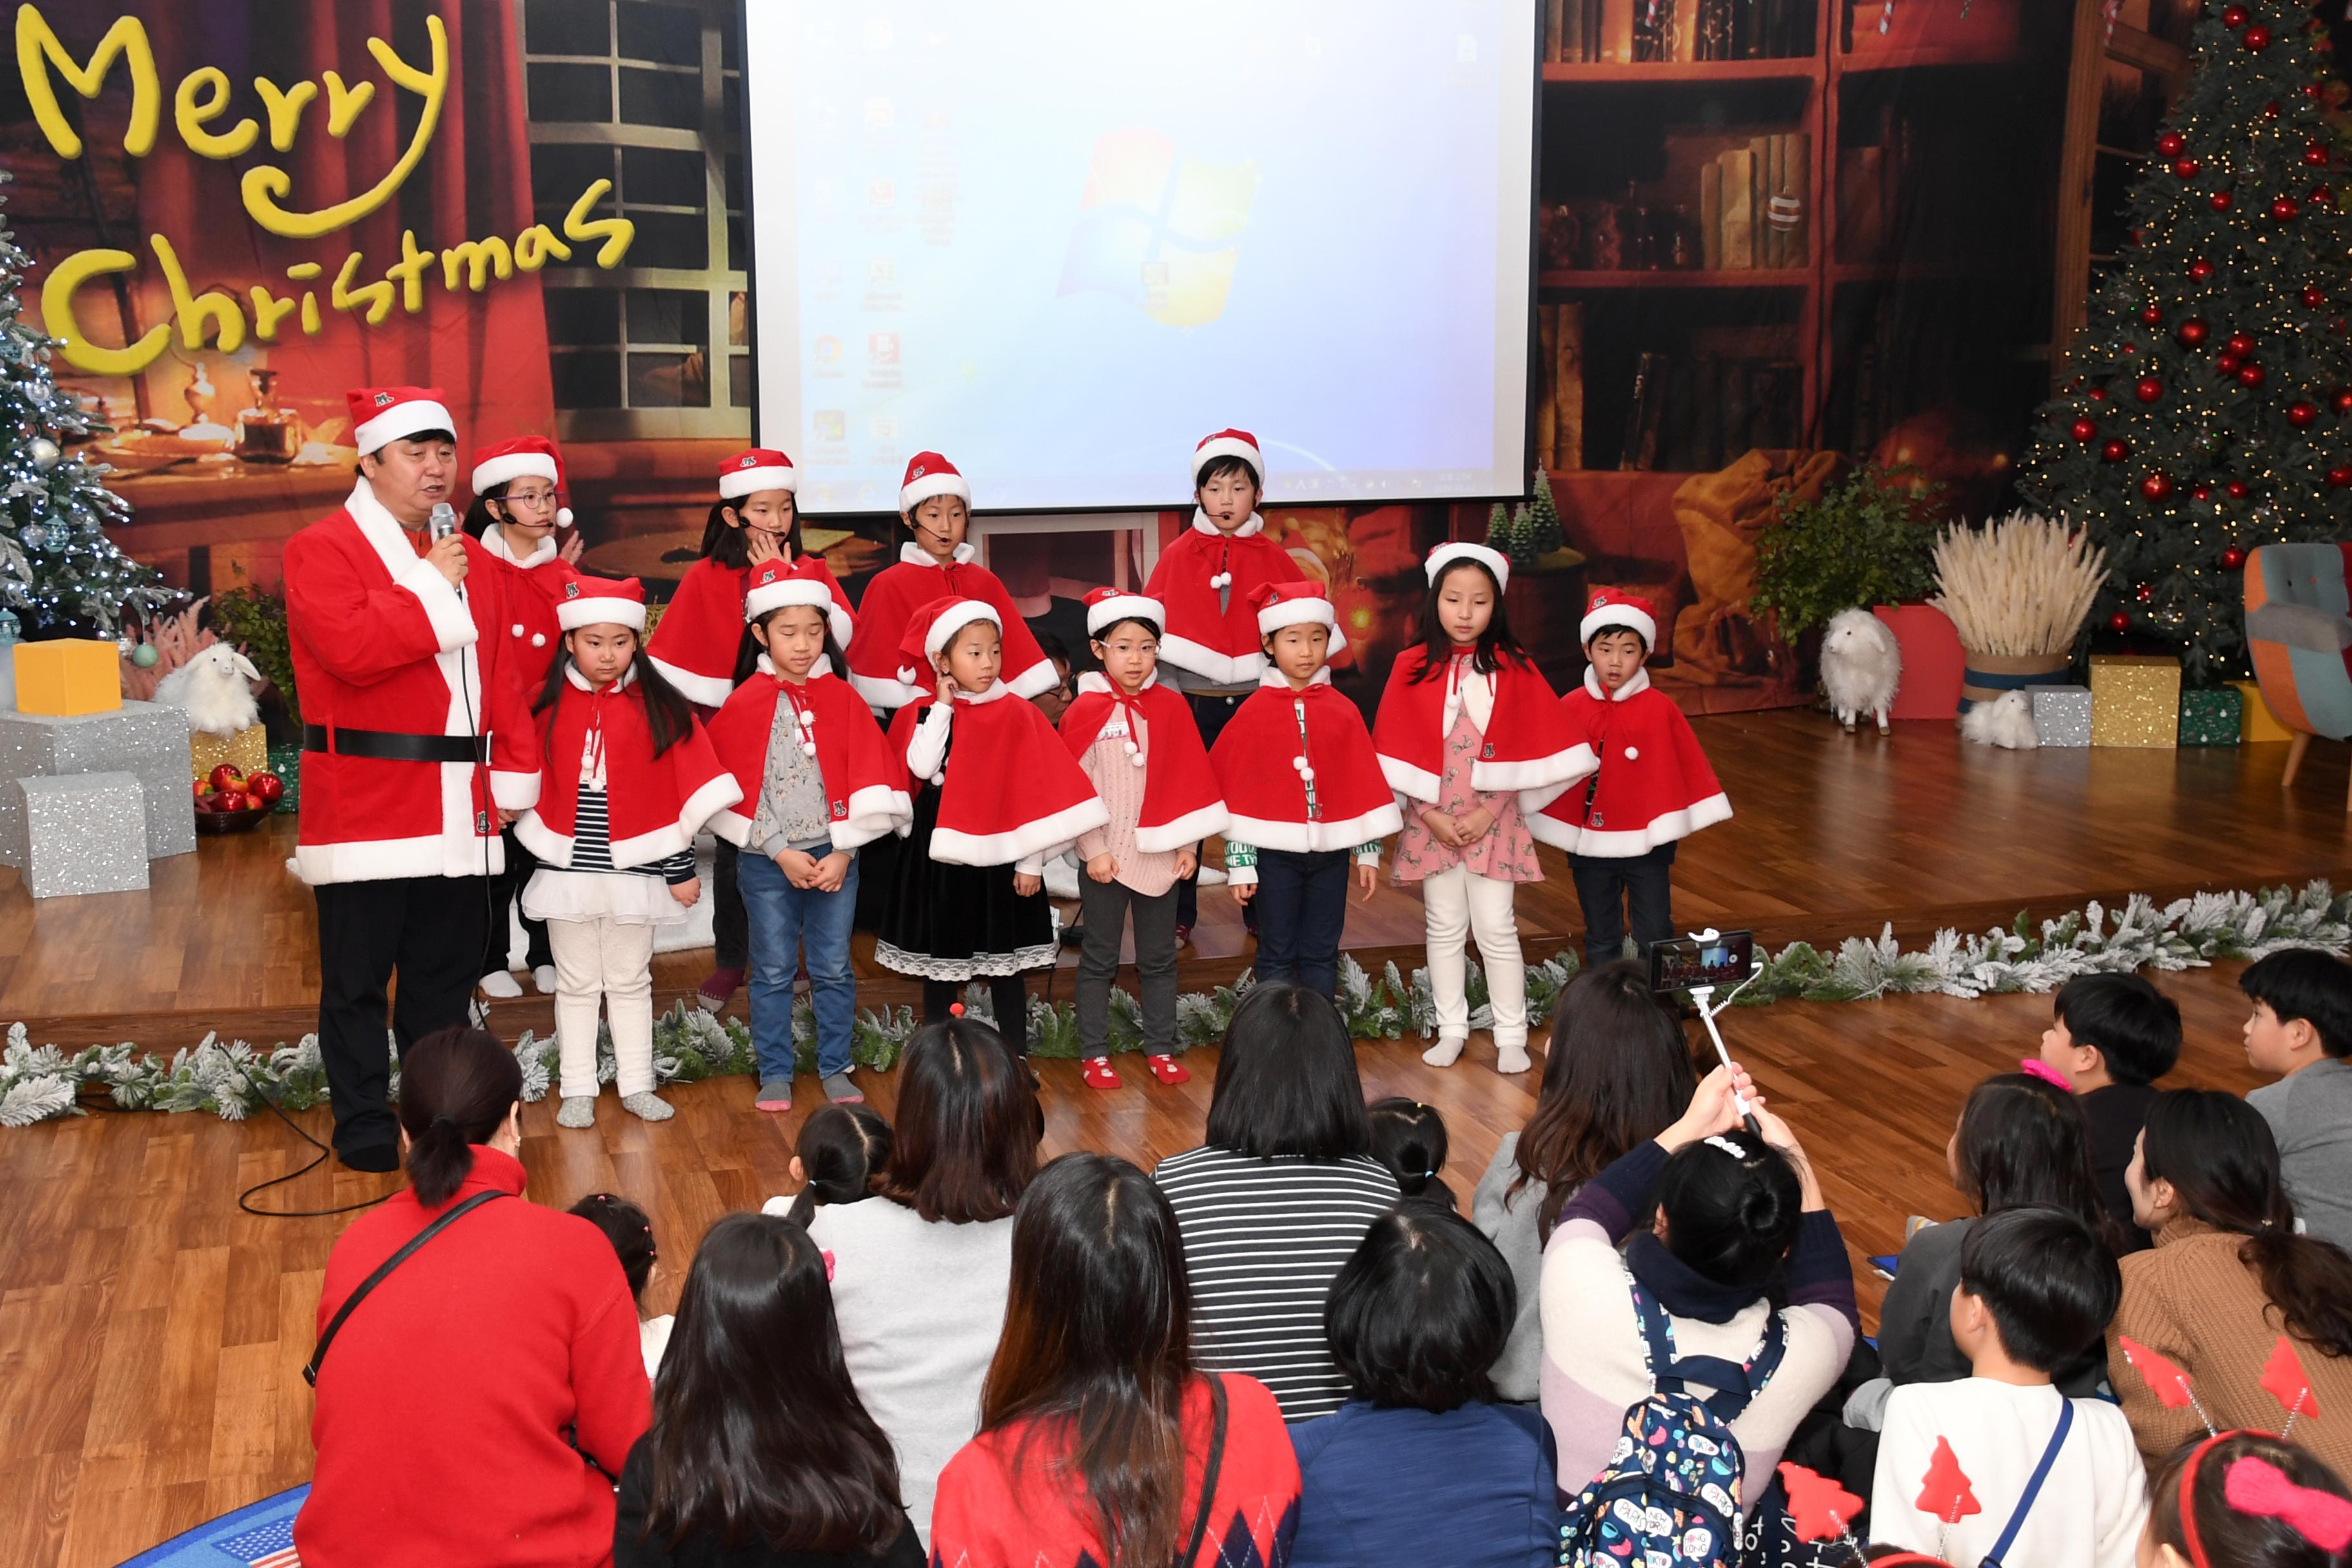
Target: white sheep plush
[1861,666]
[216,688]
[2006,721]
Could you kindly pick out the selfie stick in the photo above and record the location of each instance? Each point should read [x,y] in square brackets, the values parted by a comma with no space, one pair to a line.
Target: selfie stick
[1703,997]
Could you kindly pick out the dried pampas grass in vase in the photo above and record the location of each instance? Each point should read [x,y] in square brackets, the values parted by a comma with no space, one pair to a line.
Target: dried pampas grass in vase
[2017,589]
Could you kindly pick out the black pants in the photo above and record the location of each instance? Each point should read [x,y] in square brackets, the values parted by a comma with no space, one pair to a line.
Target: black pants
[1212,714]
[1009,994]
[1103,908]
[731,928]
[505,890]
[1610,888]
[429,930]
[1302,907]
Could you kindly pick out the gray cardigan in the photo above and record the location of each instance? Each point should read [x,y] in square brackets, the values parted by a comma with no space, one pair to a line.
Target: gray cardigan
[1511,1227]
[2310,1113]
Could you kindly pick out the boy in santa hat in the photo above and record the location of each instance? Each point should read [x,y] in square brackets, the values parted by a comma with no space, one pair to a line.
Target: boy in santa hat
[1210,647]
[995,794]
[1136,740]
[1303,793]
[818,782]
[1654,787]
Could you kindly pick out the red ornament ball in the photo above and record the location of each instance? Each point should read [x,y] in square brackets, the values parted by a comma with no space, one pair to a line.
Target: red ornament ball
[2083,429]
[2156,487]
[2119,622]
[2152,317]
[2320,195]
[2149,389]
[2238,345]
[2220,200]
[2186,168]
[2258,38]
[2300,413]
[2284,209]
[2314,296]
[2315,153]
[2250,376]
[2237,490]
[2098,394]
[2200,492]
[2234,16]
[2172,143]
[2112,450]
[2145,592]
[2200,269]
[2271,110]
[2232,558]
[2340,400]
[2340,478]
[2193,332]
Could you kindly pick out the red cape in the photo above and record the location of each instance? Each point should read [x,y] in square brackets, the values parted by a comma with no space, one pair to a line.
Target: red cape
[864,792]
[1260,766]
[694,643]
[1182,805]
[534,586]
[1654,784]
[654,805]
[1010,789]
[1530,746]
[891,600]
[1221,646]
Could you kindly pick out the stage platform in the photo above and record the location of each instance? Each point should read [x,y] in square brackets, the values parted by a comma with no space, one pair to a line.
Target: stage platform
[152,1336]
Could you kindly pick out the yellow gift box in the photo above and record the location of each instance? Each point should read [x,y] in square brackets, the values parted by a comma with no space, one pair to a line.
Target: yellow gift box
[2135,701]
[248,750]
[2255,720]
[68,677]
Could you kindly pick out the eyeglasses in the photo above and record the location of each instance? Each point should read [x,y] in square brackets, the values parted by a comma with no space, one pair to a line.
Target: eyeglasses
[536,499]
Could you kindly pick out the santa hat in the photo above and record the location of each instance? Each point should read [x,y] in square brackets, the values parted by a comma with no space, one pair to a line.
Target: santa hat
[761,469]
[1494,561]
[1229,443]
[1281,604]
[382,414]
[525,457]
[1609,609]
[929,629]
[602,601]
[802,582]
[1108,607]
[928,475]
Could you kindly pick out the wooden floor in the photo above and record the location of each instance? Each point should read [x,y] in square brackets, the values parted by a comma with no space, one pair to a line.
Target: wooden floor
[151,1336]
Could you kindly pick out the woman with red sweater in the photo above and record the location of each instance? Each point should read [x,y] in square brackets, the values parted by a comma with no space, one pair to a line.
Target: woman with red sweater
[1100,1440]
[473,1405]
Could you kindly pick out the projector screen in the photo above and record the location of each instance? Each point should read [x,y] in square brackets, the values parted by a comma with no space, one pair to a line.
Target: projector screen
[1061,241]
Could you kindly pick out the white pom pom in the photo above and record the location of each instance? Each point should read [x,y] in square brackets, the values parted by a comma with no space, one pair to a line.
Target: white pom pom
[563,517]
[940,777]
[539,640]
[808,748]
[1631,753]
[1221,580]
[1132,748]
[1138,759]
[518,629]
[1307,774]
[1300,763]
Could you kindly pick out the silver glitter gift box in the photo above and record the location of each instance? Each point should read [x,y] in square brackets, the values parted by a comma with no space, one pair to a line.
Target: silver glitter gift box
[144,738]
[2061,714]
[86,831]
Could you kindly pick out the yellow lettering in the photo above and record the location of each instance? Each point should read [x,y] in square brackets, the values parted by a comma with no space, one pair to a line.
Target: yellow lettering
[409,272]
[195,309]
[268,310]
[615,232]
[310,312]
[534,245]
[376,296]
[344,103]
[58,316]
[190,116]
[264,184]
[477,258]
[38,47]
[285,108]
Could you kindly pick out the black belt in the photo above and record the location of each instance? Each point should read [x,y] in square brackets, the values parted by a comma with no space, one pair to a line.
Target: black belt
[390,746]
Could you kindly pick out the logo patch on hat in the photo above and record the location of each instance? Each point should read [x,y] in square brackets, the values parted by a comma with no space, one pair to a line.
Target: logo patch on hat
[917,473]
[572,590]
[840,811]
[748,461]
[381,398]
[1488,755]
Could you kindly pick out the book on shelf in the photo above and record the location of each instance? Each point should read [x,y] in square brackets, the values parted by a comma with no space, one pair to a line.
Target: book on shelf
[1547,416]
[1755,204]
[1700,412]
[1739,198]
[1645,412]
[1625,31]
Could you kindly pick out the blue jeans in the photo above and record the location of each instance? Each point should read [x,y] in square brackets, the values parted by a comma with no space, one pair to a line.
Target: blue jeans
[1302,905]
[785,920]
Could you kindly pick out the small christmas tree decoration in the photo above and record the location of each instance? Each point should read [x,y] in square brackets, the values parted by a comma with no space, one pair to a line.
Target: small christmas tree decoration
[1545,517]
[2283,1378]
[1498,530]
[1818,1508]
[2163,1376]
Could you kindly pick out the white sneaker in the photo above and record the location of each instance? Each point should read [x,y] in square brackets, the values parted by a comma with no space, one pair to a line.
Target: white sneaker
[501,985]
[544,978]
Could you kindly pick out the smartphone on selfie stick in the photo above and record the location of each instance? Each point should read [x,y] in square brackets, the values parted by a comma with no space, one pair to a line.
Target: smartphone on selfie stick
[1701,963]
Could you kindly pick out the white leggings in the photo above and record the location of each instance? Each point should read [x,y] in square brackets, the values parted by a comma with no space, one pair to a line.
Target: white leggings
[1459,902]
[602,959]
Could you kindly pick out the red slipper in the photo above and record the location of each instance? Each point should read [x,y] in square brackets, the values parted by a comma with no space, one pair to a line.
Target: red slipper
[1099,1074]
[1167,1069]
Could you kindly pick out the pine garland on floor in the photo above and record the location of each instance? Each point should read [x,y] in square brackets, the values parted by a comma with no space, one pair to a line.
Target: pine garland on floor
[233,1080]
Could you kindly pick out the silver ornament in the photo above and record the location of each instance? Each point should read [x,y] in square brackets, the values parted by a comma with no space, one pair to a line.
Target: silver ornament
[44,452]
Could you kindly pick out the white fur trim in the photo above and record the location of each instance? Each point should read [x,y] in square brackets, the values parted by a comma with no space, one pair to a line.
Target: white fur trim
[957,616]
[1620,615]
[1560,768]
[409,418]
[1126,606]
[1300,612]
[1208,452]
[815,595]
[1494,561]
[380,859]
[708,690]
[1664,829]
[941,484]
[1096,681]
[873,811]
[882,692]
[1184,832]
[732,826]
[672,836]
[1224,669]
[512,467]
[1035,681]
[1317,837]
[1635,684]
[494,540]
[913,554]
[1251,529]
[737,483]
[573,614]
[1274,680]
[453,624]
[513,792]
[553,848]
[1045,834]
[1418,784]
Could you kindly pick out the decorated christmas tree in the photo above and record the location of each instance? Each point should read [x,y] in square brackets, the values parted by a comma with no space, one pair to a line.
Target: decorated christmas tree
[1498,530]
[58,572]
[2205,410]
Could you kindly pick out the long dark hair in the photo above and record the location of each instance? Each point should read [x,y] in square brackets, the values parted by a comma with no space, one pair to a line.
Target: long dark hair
[457,1085]
[1098,1347]
[2023,1142]
[669,717]
[2233,1537]
[478,516]
[965,1145]
[750,647]
[758,1433]
[1287,1080]
[1618,1074]
[1495,645]
[2223,1164]
[1732,1205]
[841,1149]
[724,543]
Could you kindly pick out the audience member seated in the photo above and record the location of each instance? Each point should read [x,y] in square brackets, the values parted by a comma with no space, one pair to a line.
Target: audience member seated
[626,1226]
[1617,1074]
[1421,1464]
[2112,1036]
[1410,1139]
[2227,1274]
[1739,1225]
[919,1277]
[759,1455]
[1101,1440]
[2246,1499]
[2056,1479]
[2020,1141]
[840,1155]
[466,1400]
[1273,1205]
[2300,1033]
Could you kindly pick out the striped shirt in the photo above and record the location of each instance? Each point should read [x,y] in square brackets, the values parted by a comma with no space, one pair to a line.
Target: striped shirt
[1263,1241]
[592,843]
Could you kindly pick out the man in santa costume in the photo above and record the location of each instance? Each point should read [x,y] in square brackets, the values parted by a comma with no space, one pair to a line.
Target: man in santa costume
[416,746]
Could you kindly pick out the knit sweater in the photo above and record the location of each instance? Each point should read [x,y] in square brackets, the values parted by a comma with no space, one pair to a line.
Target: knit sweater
[1596,1364]
[2310,1113]
[1508,1220]
[2191,1300]
[1470,1488]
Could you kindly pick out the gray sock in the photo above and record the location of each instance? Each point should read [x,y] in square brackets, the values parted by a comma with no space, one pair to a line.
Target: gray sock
[577,1110]
[645,1103]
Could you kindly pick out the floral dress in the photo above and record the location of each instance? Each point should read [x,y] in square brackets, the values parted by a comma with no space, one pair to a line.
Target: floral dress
[1506,852]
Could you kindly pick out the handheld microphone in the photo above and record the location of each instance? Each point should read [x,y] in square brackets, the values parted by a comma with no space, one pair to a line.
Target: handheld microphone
[444,520]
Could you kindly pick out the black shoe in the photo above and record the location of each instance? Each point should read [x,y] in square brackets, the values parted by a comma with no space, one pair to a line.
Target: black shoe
[1074,936]
[381,1159]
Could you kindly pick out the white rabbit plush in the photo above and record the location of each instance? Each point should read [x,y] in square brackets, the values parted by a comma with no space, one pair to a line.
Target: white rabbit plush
[2006,721]
[216,688]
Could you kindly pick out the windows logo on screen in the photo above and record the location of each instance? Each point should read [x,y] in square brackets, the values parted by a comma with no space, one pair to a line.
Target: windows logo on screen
[1158,230]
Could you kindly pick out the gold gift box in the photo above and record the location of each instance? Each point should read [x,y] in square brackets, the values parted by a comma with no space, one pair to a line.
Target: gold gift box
[2135,701]
[248,750]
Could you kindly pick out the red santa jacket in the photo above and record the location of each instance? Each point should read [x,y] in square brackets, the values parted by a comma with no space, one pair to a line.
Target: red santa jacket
[654,805]
[1277,742]
[695,642]
[1181,802]
[1221,645]
[1654,784]
[891,600]
[865,789]
[533,585]
[501,1482]
[1010,792]
[1527,745]
[382,643]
